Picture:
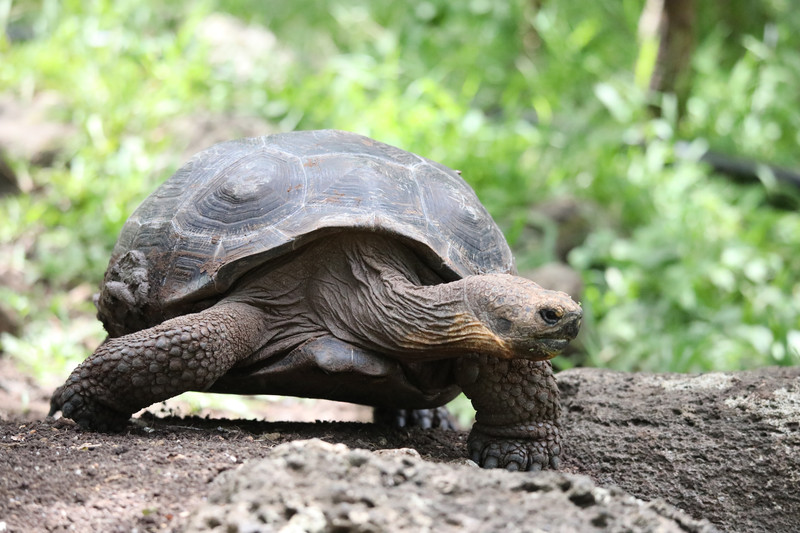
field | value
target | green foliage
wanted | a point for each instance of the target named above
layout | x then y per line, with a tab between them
685	271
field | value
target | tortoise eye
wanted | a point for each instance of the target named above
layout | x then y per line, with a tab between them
551	316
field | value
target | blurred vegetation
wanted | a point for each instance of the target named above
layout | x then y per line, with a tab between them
685	270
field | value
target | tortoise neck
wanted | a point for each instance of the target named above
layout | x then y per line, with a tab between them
435	320
375	293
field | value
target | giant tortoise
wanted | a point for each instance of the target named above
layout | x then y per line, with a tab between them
325	264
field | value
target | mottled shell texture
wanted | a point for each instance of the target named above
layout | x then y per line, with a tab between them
242	203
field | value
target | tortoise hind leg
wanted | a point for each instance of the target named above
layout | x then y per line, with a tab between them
437	417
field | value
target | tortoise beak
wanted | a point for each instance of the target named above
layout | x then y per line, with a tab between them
568	327
572	324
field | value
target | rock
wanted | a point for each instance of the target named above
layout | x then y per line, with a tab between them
313	486
398	452
723	446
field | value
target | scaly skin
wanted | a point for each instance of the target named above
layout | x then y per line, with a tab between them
438	417
128	373
517	411
360	290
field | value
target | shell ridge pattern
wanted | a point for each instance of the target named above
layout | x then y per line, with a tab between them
224	175
276	234
430	222
216	222
381	159
244	202
297	243
420	161
462	198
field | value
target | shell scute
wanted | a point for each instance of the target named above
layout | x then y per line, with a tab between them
242	203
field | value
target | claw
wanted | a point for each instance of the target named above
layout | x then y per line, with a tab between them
55	404
525	451
422	418
87	412
476	456
425	422
490	462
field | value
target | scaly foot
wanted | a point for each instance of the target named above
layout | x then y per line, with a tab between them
438	417
538	449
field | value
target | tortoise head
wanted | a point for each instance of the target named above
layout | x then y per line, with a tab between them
525	320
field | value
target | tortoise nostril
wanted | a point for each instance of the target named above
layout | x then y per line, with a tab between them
573	328
551	316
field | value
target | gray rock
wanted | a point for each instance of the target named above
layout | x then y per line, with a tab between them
313	486
723	446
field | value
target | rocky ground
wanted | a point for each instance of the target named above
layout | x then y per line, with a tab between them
722	446
645	453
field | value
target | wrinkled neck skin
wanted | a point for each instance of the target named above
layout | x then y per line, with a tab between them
383	298
438	319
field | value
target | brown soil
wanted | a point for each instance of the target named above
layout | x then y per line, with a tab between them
56	477
723	447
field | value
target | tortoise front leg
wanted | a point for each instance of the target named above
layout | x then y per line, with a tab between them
131	372
517	411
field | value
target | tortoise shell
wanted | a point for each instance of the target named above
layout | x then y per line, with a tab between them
242	203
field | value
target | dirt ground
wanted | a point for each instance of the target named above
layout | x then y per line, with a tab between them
163	472
56	477
722	447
